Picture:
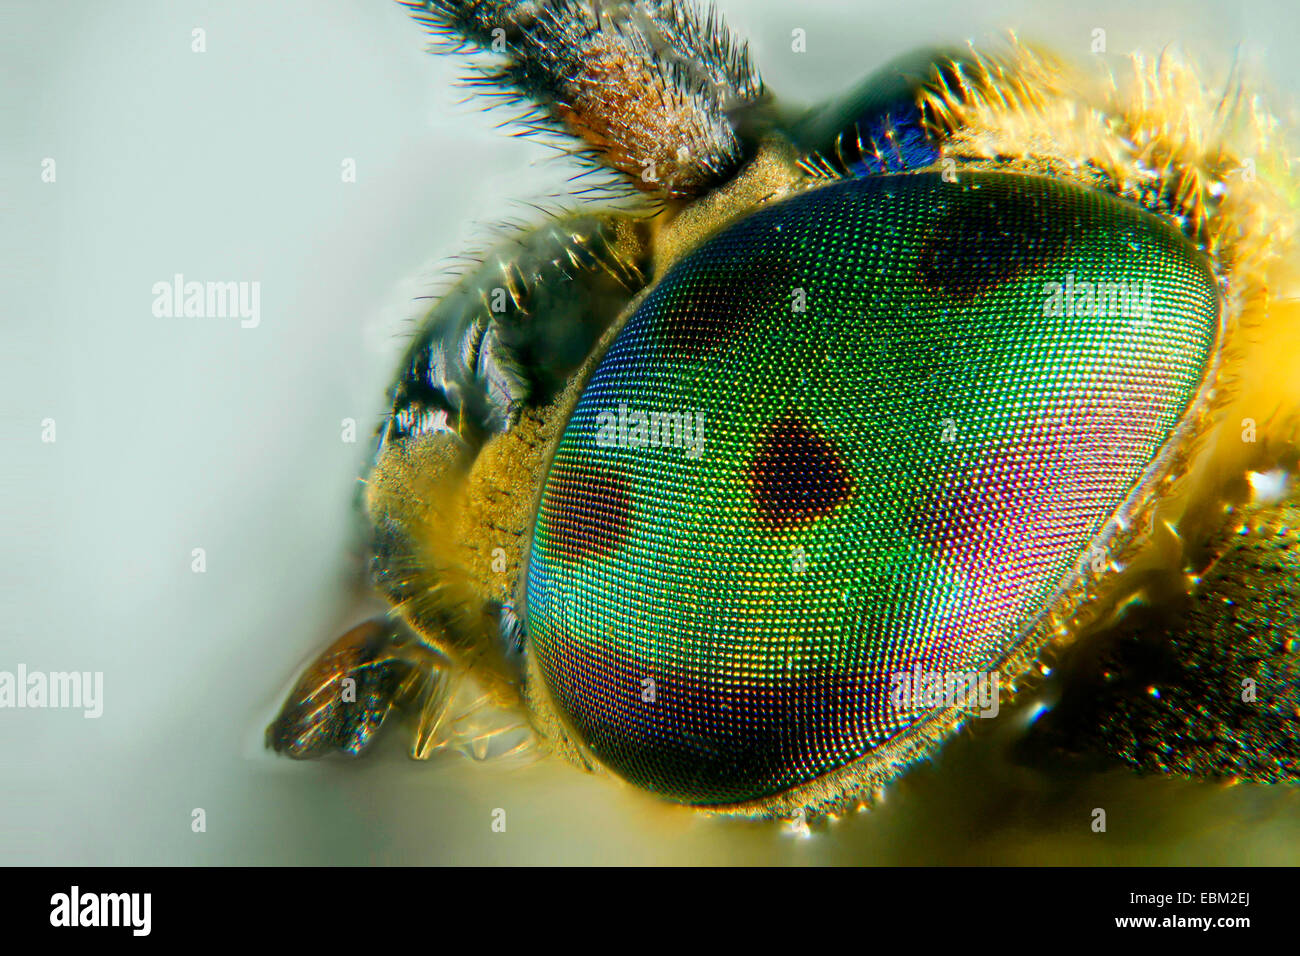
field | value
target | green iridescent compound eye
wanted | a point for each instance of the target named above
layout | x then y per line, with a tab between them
869	429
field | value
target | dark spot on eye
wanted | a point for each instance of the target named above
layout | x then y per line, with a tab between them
588	510
959	511
976	247
715	305
980	504
796	475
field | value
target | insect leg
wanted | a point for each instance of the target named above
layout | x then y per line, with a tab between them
342	700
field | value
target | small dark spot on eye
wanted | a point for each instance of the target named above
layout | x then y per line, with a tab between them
796	475
713	307
960	510
977	246
588	510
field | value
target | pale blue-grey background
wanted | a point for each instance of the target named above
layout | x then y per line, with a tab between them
183	433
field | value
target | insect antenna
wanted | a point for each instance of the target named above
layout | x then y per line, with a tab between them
655	90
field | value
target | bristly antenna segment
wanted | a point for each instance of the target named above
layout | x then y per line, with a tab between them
649	88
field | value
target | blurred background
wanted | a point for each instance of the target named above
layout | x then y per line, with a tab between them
180	433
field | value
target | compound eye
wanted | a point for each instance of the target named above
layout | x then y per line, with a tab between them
867	432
